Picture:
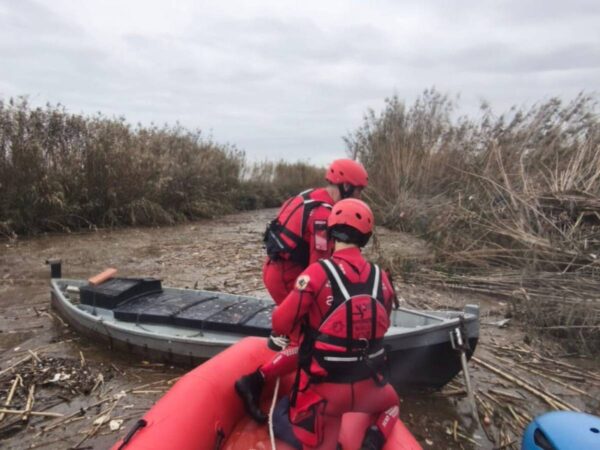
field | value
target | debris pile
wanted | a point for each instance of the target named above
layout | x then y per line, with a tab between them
42	393
521	383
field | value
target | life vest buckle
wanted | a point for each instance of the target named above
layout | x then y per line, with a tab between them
364	347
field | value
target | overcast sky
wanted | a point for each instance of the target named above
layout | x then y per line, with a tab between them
283	79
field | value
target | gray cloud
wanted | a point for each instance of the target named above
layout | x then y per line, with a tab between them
289	84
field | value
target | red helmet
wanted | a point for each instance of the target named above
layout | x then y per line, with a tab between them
347	171
354	213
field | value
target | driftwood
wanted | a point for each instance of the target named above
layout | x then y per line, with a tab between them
18	363
79	412
96	427
34	356
82	411
29	404
565	370
451	393
55	317
30	413
11	394
546	376
555	380
549	398
148	391
507	395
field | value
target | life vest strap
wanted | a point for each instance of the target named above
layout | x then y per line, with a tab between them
380	352
349	345
350	369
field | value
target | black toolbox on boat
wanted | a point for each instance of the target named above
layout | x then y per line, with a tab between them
115	291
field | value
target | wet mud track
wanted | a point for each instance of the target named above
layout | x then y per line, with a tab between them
85	396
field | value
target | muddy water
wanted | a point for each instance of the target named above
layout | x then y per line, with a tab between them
72	374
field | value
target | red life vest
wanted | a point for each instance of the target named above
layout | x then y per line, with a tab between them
284	236
348	344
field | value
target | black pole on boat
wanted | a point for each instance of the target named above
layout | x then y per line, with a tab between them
55	267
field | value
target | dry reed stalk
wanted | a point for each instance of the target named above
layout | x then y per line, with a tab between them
546	396
500	195
104	400
96	427
48	157
11	393
12	367
546	376
29	403
27	412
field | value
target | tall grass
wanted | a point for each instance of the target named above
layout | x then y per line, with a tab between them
63	171
510	203
269	184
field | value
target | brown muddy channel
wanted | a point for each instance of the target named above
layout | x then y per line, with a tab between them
80	379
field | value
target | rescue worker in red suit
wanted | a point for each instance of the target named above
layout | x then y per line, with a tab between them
343	305
298	235
296	238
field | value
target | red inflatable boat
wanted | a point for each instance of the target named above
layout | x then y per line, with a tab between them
203	412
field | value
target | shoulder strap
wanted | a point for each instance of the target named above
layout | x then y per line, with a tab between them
334	276
376	292
374	283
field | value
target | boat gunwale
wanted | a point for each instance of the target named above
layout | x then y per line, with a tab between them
117	325
470	321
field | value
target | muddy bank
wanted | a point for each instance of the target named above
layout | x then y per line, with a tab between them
100	394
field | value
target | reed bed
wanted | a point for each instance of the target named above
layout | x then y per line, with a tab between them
268	184
61	172
510	203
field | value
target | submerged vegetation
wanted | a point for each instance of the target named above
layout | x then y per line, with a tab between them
510	204
61	172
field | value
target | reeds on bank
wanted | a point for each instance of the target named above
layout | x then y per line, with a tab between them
510	203
61	171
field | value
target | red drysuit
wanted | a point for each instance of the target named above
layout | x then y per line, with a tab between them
279	274
320	404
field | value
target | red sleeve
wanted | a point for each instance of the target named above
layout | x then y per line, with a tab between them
290	313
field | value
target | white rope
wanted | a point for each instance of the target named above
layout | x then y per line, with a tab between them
280	341
273	402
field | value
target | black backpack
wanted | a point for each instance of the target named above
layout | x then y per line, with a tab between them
283	241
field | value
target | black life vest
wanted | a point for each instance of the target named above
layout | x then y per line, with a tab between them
348	343
284	236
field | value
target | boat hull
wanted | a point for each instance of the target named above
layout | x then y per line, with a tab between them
420	356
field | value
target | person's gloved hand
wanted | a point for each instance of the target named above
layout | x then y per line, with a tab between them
278	343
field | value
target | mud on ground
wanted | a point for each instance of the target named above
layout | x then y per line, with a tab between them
80	394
